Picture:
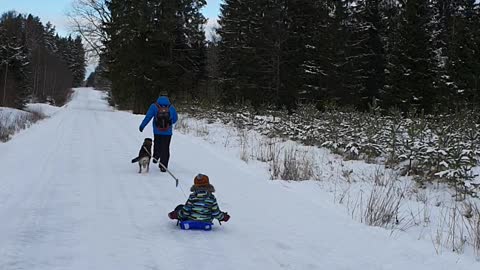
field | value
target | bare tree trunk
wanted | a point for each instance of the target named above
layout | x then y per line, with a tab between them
44	78
54	84
5	85
34	81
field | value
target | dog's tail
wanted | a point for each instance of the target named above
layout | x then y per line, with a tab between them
135	159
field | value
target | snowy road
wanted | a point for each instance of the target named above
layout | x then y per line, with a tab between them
71	199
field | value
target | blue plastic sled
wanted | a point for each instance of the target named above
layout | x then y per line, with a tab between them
196	225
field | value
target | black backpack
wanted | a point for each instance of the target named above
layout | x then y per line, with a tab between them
162	119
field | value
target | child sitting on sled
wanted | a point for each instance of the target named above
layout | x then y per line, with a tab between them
201	205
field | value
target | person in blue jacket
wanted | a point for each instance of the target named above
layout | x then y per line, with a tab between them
165	116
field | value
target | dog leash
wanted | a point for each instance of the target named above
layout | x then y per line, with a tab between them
148	152
169	172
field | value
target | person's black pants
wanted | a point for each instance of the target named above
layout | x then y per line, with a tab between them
161	148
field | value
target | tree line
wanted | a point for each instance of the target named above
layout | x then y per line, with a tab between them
421	53
147	47
409	54
36	64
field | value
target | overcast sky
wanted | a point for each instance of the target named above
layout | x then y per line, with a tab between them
55	11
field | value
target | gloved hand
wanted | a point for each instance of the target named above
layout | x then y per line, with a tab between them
173	215
140	128
226	217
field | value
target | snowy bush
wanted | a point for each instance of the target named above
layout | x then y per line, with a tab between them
297	165
383	205
13	120
442	148
182	125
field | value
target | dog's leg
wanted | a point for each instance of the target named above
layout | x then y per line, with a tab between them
148	166
139	167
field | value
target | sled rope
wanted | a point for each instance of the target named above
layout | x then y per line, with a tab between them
184	194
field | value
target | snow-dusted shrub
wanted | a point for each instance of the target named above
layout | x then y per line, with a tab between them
429	148
383	204
244	145
268	150
297	165
201	130
12	121
393	135
458	227
472	216
451	232
182	125
291	163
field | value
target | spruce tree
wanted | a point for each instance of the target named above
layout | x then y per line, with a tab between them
14	69
78	67
190	45
154	46
236	50
463	64
338	34
365	54
411	76
34	61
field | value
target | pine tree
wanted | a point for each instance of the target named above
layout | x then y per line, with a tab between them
411	76
34	61
154	46
127	33
78	66
338	34
90	80
444	16
261	51
313	25
236	50
463	64
190	44
365	54
101	76
13	61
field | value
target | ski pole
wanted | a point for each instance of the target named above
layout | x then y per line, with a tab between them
171	174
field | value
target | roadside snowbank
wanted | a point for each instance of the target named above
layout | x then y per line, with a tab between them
13	120
43	109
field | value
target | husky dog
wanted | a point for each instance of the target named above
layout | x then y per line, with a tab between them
144	156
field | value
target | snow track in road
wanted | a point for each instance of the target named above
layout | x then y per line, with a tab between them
70	199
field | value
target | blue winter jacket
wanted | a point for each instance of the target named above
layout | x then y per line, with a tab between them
152	112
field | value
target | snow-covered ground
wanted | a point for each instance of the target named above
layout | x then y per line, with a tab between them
71	199
41	108
395	202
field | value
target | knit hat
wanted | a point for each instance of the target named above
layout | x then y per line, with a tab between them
201	180
202	183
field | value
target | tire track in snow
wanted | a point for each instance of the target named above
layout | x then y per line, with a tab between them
205	244
156	181
34	209
126	190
